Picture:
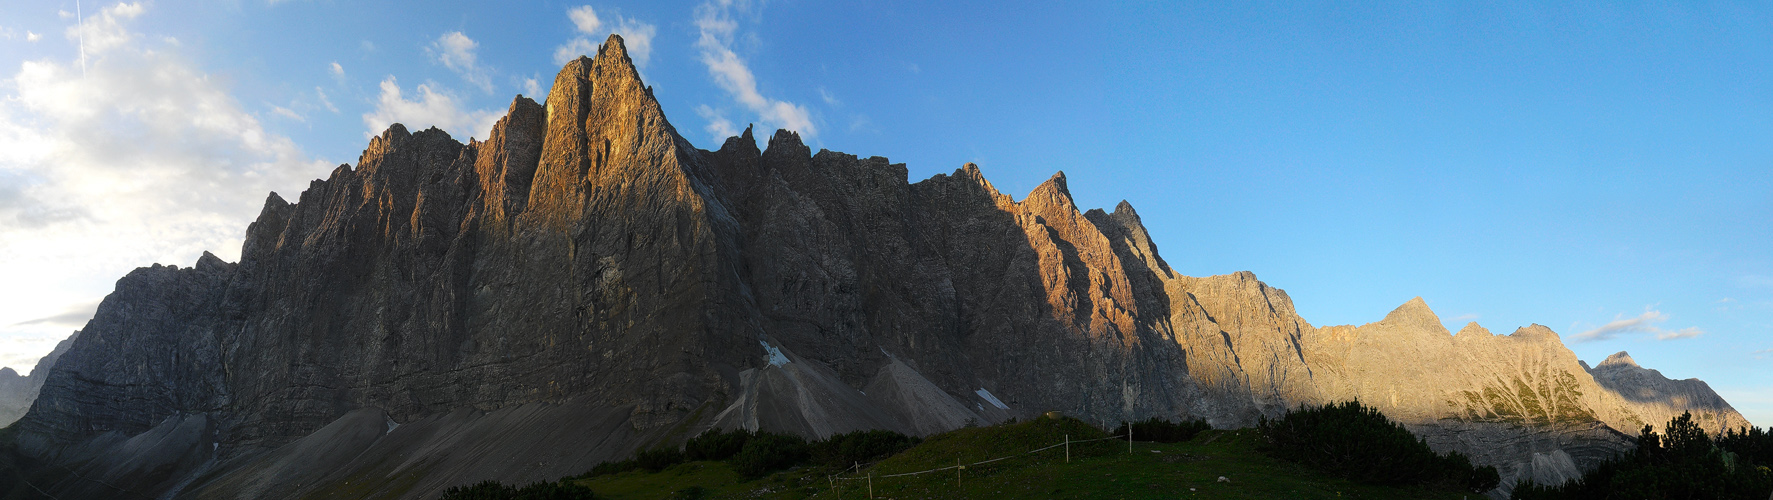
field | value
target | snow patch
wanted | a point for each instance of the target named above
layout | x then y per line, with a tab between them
991	399
775	355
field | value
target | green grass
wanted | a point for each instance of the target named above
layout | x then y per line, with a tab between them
1097	470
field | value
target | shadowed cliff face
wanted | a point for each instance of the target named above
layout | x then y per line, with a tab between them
585	282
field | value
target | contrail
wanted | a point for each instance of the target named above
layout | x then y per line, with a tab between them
82	30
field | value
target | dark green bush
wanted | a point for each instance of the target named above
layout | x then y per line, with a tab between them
716	444
653	460
845	449
493	490
1358	443
1163	431
658	459
608	468
768	452
1682	462
484	490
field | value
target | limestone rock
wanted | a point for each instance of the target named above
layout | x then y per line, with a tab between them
1655	399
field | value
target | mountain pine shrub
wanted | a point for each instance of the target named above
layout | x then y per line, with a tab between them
1356	442
493	490
1681	462
1163	431
768	452
845	449
716	444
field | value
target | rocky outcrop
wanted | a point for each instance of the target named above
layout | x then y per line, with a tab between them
585	282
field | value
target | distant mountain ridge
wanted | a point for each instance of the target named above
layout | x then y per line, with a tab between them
585	282
18	391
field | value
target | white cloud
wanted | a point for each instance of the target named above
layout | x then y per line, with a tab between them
32	37
637	36
337	70
1645	323
830	100
287	113
147	159
716	29
104	31
456	51
718	126
1688	332
533	89
431	107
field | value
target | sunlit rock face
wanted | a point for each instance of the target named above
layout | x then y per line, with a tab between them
585	282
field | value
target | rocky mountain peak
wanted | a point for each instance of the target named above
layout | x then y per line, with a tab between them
1051	198
742	143
1416	313
786	142
1124	209
1618	359
1535	332
1473	330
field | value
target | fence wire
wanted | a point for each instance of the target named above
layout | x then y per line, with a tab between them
981	462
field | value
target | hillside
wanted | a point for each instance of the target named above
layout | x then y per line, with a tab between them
1097	469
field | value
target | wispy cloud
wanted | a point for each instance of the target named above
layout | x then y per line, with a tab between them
718	126
287	113
431	106
1465	317
532	87
637	36
1644	323
1762	354
324	102
716	30
74	316
32	37
456	52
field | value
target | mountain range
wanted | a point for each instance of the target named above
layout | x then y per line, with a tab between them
585	282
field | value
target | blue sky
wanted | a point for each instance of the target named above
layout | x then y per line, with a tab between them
1601	169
